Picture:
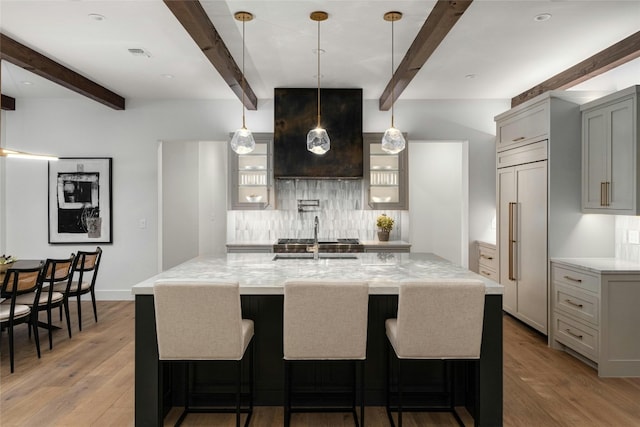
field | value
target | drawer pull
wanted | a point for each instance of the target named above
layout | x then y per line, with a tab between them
486	257
568	301
486	273
573	279
572	334
520	138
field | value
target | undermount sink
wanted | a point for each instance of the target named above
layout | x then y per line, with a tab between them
310	256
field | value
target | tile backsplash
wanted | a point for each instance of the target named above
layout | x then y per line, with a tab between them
340	213
628	238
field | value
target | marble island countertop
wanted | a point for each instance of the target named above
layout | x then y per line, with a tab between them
260	274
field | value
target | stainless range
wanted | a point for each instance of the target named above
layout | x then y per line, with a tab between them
324	245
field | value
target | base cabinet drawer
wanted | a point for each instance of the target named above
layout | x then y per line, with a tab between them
577	336
575	277
577	303
489	273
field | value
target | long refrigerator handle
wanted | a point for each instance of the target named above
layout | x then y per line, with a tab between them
512	240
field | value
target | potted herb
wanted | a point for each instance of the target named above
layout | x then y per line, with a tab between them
385	225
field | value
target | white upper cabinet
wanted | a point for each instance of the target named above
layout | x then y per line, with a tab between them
521	127
610	154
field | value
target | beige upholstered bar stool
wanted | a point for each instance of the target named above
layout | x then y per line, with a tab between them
436	320
202	320
325	320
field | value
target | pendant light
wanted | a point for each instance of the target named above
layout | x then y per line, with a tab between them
318	139
393	141
242	141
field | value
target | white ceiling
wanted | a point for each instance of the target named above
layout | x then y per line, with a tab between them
498	42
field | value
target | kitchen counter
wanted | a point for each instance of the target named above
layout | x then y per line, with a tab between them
260	274
601	265
261	278
267	245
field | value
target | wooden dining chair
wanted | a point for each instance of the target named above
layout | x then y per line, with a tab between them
19	282
55	271
84	273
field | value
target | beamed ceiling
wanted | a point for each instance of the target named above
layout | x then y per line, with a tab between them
482	49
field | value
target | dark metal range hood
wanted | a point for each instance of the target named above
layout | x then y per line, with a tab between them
295	113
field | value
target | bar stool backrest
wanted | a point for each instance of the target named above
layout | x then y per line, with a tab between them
440	319
199	320
325	320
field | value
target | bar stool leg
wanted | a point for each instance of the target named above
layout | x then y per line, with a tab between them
362	399
238	385
398	366
287	393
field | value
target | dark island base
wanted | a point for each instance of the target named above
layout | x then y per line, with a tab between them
158	387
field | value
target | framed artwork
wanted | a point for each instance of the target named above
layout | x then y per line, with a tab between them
80	209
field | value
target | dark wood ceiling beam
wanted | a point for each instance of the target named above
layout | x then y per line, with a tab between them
27	58
8	103
195	20
440	21
603	61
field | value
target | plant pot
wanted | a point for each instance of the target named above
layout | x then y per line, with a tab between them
5	267
383	236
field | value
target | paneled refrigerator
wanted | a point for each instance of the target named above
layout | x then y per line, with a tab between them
538	206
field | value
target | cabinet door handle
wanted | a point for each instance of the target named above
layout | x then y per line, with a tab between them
602	191
520	138
568	301
573	335
573	279
607	187
512	240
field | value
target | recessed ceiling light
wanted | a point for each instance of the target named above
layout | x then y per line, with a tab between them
542	17
96	17
26	82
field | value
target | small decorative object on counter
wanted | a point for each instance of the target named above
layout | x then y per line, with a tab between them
5	262
385	225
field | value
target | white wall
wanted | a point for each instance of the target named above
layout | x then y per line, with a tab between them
76	127
438	195
180	192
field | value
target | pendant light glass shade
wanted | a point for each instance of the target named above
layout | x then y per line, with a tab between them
318	141
242	141
392	141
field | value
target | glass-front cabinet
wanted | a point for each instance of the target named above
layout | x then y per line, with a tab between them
251	175
385	175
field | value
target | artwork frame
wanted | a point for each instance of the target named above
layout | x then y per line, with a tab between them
80	205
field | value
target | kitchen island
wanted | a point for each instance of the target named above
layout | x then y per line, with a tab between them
261	278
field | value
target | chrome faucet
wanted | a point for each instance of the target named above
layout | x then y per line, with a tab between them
315	248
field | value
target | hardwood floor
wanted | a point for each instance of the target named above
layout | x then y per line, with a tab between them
88	381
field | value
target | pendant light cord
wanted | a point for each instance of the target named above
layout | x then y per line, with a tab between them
392	76
318	52
243	120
